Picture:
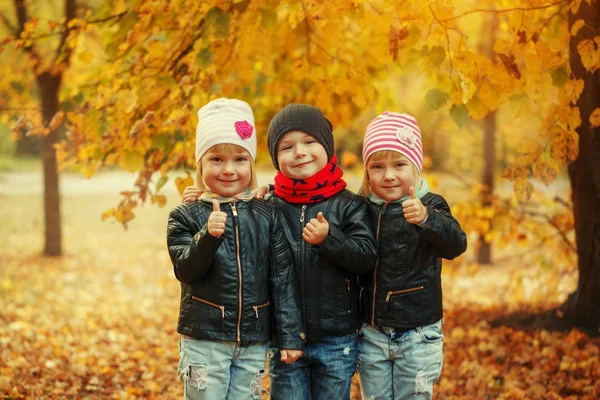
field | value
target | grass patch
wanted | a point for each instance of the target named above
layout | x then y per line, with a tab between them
10	163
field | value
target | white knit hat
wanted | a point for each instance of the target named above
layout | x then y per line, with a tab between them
225	121
397	132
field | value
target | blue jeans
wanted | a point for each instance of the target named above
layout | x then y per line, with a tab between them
324	372
214	370
399	365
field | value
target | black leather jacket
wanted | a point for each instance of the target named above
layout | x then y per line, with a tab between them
231	285
327	273
405	288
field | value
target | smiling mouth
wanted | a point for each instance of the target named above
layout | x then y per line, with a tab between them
304	164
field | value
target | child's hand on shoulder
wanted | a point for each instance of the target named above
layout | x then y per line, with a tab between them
191	194
290	356
216	221
316	231
414	210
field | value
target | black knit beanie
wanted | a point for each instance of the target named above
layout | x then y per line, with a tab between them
301	117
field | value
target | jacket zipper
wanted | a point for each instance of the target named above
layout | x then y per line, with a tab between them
376	263
390	293
239	263
222	308
348	294
256	308
302	244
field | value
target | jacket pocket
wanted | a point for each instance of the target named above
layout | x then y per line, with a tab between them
402	303
262	316
215	317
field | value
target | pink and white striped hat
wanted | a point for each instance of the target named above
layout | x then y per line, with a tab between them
396	132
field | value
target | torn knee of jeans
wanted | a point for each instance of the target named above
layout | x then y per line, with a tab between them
420	382
347	351
256	384
196	375
370	397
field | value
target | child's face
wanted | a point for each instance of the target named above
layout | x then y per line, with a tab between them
300	155
390	177
226	173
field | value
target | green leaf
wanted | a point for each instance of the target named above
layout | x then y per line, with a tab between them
435	98
268	18
219	21
161	182
560	76
205	58
437	55
160	142
460	114
167	81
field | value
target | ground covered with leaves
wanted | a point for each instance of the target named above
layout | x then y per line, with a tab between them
99	322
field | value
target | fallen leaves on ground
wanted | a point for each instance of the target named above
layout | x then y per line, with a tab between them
99	323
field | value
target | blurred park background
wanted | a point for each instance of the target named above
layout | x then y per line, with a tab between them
98	103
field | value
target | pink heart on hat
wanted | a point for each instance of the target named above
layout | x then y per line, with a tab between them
244	129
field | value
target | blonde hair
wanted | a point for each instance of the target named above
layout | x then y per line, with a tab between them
383	155
225	148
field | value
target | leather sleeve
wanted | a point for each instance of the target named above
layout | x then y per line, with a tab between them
351	246
442	230
192	252
288	314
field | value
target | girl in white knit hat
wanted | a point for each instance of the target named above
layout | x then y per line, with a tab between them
400	343
231	256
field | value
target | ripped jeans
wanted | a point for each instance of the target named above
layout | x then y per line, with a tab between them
215	370
399	365
324	372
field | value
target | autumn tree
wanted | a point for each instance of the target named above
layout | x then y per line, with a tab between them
46	68
584	172
134	85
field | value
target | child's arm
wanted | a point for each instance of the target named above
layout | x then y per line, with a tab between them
442	230
352	246
192	253
287	310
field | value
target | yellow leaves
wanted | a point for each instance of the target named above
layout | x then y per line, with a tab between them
595	118
564	145
56	120
159	199
545	171
348	159
514	172
131	160
529	151
589	50
523	190
577	26
156	49
123	213
86	57
182	183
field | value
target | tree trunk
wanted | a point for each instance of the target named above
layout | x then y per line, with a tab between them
484	256
49	86
581	308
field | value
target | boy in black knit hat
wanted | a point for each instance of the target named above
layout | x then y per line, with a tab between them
330	234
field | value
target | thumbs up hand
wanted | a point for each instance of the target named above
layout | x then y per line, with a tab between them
414	210
316	230
216	220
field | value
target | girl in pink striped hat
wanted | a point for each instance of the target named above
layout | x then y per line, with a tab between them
400	342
